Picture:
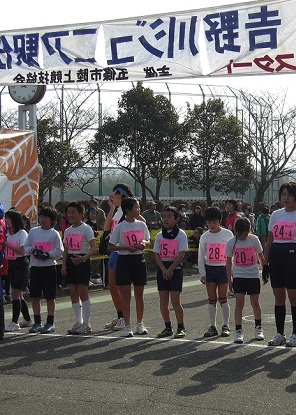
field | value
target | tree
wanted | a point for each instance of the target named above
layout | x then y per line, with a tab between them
216	154
142	140
58	159
270	131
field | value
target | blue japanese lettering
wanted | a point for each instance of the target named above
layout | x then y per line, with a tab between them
264	28
223	30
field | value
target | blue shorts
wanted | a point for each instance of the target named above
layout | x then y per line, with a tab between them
217	274
175	284
112	260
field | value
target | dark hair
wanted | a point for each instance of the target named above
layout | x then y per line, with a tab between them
93	201
123	189
233	202
127	203
265	210
16	219
49	212
213	213
173	209
77	206
291	188
199	230
198	207
27	226
182	205
88	212
242	225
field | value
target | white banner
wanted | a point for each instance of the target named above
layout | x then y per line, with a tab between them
247	38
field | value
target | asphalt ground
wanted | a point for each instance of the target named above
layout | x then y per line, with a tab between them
106	374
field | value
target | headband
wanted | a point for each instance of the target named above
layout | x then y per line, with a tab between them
122	191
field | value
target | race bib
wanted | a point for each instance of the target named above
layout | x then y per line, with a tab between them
133	237
114	224
9	253
283	231
245	257
168	249
43	246
73	241
216	253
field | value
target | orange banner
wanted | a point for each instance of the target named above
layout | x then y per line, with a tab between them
19	171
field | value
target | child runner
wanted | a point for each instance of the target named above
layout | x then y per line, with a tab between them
79	246
280	253
129	239
169	250
18	269
45	246
120	192
212	269
242	252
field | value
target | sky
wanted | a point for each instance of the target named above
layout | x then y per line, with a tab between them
19	14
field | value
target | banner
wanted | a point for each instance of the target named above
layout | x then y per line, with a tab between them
251	38
19	171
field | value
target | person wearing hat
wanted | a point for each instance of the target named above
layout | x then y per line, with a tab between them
152	216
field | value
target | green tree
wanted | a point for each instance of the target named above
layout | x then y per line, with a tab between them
58	159
216	155
142	140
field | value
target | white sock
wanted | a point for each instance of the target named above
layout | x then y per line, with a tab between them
86	311
212	314
225	310
77	312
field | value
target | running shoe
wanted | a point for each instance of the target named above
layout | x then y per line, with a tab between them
180	333
278	340
83	329
166	332
239	337
259	333
112	323
292	341
120	325
12	327
35	328
211	332
25	323
225	331
127	332
141	329
73	329
47	328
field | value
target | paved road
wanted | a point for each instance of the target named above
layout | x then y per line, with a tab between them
106	374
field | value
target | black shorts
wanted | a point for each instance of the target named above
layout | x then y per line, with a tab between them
131	269
18	272
77	274
282	265
43	280
216	274
175	284
247	286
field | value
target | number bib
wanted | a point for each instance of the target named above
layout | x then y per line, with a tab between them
133	237
73	241
244	257
43	246
216	253
283	231
114	224
9	253
168	249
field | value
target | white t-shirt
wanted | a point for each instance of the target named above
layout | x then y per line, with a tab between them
168	249
211	249
47	240
282	224
18	240
129	233
244	256
77	239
